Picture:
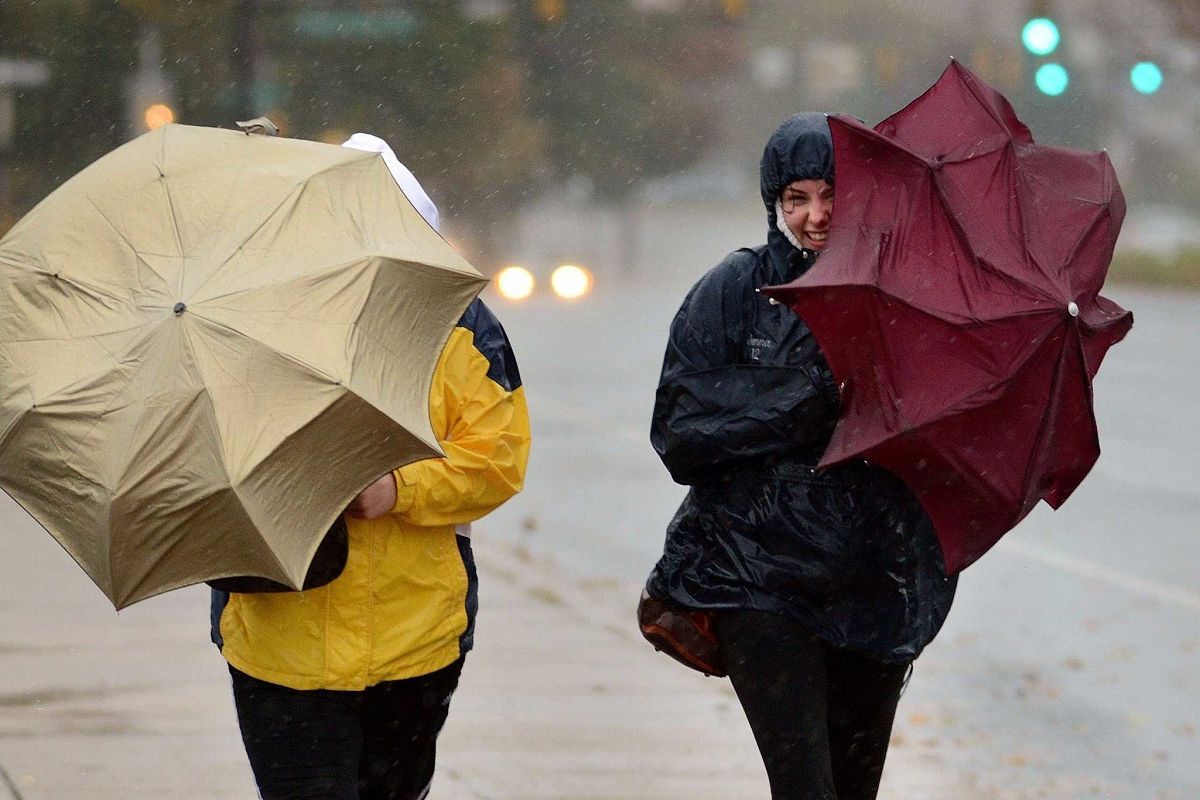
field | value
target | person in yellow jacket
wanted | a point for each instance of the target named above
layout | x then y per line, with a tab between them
342	690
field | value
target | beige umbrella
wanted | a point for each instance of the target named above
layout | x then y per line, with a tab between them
209	344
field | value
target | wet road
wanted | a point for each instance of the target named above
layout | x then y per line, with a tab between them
1070	665
1069	668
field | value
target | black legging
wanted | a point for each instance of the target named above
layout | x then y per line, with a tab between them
821	716
377	744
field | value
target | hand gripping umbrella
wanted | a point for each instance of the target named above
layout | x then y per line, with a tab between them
209	343
958	305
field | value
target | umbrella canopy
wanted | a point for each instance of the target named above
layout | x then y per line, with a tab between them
209	344
958	304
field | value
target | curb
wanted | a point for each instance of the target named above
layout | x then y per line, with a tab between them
8	789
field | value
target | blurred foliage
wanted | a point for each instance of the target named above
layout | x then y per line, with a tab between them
1186	14
198	55
90	50
449	99
1180	268
485	109
615	91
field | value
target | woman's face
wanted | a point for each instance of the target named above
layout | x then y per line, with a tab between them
807	207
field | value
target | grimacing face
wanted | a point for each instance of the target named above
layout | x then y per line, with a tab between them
807	209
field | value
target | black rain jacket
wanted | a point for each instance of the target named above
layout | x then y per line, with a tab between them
745	406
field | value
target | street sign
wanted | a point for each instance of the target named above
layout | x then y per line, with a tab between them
391	24
20	72
16	73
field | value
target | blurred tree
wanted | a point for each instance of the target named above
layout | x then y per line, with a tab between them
612	91
1187	17
616	92
446	91
80	114
205	52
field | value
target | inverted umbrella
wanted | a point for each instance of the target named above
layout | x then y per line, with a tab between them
209	343
958	305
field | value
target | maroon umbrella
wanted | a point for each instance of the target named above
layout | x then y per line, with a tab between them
958	304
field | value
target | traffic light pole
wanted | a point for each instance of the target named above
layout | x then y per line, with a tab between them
245	57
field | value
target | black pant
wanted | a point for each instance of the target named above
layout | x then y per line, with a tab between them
335	745
822	717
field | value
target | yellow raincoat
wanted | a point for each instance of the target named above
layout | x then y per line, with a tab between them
404	605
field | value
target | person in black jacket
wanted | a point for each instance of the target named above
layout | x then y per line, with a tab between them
823	585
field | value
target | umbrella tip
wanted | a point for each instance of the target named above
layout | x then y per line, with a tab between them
259	125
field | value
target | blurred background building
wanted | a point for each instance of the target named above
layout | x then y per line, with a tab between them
620	133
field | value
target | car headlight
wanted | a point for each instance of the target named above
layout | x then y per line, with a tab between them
571	282
514	283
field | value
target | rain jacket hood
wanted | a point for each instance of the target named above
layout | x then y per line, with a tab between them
800	149
744	409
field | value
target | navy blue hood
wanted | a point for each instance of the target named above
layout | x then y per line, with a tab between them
800	149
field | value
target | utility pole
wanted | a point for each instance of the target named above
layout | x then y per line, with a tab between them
245	57
15	73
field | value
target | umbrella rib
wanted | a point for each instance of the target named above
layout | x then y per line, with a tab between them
1057	389
387	345
960	402
293	196
976	154
879	138
202	396
15	421
965	241
89	335
22	266
991	111
112	402
1084	234
113	227
45	270
95	291
162	176
136	253
175	544
200	235
248	387
907	303
333	268
963	404
265	346
1091	226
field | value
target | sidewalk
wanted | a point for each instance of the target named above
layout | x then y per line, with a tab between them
563	699
560	699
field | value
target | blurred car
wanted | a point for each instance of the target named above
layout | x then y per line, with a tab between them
568	282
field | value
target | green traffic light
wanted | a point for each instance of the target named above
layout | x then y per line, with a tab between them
1146	77
1052	79
1040	36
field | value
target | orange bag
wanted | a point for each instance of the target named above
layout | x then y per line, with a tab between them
685	634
